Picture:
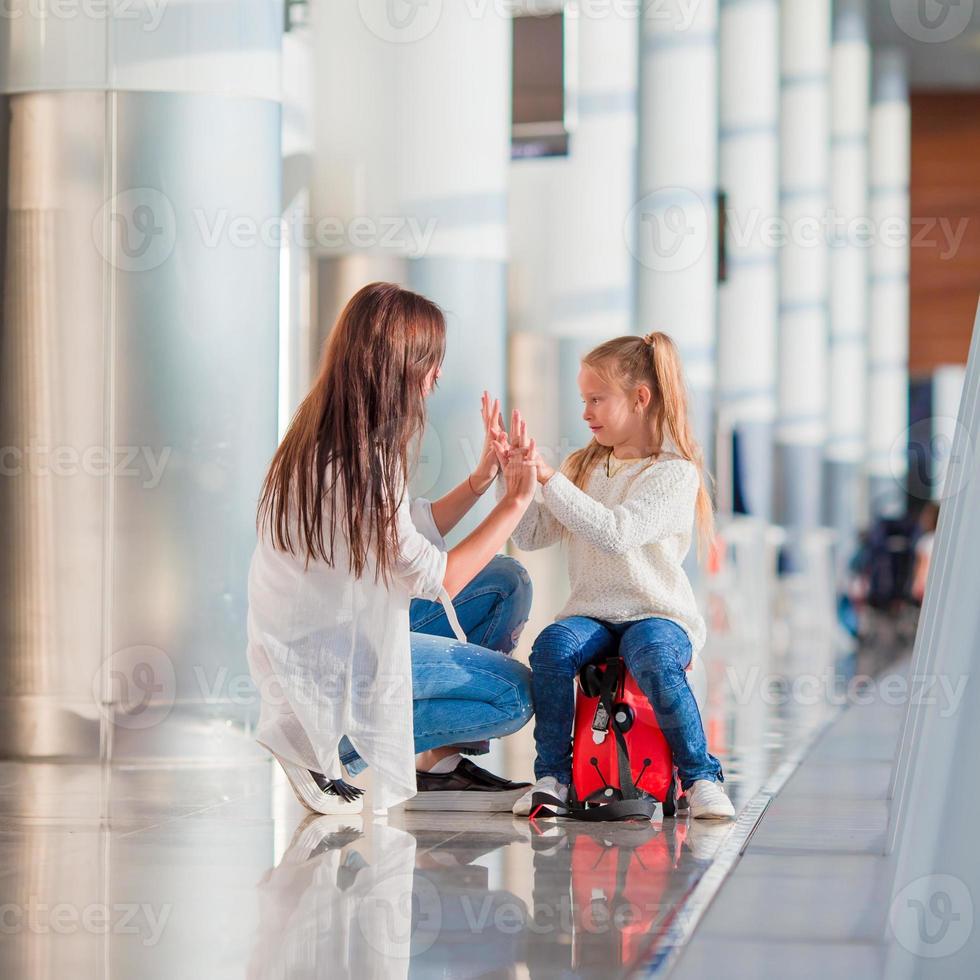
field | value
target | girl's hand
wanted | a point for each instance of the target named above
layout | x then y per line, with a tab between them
495	446
520	469
521	443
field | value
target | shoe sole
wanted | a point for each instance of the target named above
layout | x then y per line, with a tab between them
713	816
310	795
466	800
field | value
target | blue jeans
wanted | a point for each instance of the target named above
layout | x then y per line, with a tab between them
467	693
655	651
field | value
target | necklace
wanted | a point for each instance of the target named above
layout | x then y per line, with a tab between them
611	471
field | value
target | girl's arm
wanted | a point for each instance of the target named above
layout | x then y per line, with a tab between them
537	528
660	503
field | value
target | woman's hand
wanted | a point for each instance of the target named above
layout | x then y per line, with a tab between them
495	445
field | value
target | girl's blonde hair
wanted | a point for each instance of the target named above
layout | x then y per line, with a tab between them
651	360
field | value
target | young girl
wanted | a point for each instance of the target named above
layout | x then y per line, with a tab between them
626	506
349	670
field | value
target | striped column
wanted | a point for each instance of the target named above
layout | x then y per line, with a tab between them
748	299
804	199
676	215
849	240
572	279
412	150
888	386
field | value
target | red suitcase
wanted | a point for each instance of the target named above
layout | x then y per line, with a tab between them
620	758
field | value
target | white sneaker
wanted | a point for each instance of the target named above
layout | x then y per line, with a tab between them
547	784
707	799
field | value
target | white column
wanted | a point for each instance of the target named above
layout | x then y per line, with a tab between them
140	310
572	275
888	381
849	240
676	215
805	158
412	150
748	300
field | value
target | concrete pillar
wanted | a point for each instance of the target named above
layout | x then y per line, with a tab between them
803	321
139	201
748	300
888	341
675	219
412	148
849	234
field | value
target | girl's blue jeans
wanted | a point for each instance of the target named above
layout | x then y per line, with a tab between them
655	651
466	693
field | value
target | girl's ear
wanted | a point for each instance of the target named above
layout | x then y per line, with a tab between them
643	397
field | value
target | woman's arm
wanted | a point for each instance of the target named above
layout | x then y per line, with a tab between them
425	569
660	503
472	554
449	510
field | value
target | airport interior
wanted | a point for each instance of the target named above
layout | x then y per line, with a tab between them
789	190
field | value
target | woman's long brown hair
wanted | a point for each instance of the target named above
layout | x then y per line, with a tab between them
653	360
359	421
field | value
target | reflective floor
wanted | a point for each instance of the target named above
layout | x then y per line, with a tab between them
218	872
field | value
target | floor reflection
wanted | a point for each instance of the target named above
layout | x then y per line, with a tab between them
436	897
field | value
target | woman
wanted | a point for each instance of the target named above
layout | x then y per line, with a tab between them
341	552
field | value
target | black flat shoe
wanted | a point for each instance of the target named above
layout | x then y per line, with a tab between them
466	788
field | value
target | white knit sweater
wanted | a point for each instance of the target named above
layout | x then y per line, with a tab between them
629	534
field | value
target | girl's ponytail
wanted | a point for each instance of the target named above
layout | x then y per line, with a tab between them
669	376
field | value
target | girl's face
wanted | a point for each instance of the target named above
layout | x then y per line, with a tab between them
611	413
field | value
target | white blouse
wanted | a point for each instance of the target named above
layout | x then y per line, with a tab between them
331	655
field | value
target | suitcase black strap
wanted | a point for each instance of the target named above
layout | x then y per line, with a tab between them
545	805
632	806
